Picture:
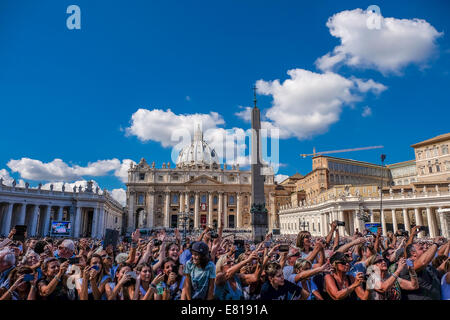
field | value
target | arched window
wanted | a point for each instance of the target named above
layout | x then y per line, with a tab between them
203	198
231	199
215	200
175	199
191	200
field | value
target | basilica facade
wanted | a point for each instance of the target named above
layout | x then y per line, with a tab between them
213	193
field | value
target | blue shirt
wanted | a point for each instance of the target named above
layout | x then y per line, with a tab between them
185	256
311	285
4	282
200	278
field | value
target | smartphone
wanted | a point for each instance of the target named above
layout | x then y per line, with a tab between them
340	223
95	268
284	248
28	278
20	232
422	228
75	260
409	263
132	274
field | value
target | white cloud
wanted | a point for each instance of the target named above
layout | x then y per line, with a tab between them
245	114
120	195
58	170
122	171
390	48
8	180
366	112
281	177
159	125
188	98
307	103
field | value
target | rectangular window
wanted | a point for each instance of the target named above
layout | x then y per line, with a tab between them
445	149
141	199
175	178
141	176
160	178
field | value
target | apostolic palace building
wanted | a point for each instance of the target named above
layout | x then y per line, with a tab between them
216	194
415	192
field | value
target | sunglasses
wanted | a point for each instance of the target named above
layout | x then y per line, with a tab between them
342	262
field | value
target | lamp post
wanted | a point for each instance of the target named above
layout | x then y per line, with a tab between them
383	157
184	221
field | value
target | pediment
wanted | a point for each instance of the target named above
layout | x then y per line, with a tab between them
204	181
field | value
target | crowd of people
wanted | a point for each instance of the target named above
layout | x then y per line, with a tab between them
214	266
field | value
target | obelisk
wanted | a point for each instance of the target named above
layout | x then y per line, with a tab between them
258	210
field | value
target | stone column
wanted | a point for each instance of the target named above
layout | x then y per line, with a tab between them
94	223
181	200
7	220
34	221
406	220
22	214
271	212
60	214
166	210
323	222
430	223
77	223
186	201
47	217
383	223
372	217
341	218
220	210
394	220
197	211
130	222
101	222
356	221
419	222
444	227
238	210
210	209
225	211
150	208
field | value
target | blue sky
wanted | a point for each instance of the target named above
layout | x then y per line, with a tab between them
71	94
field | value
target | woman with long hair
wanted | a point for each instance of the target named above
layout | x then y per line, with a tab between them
200	274
95	277
122	288
145	287
21	288
172	280
339	285
229	281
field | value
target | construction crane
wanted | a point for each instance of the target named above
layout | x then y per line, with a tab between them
338	151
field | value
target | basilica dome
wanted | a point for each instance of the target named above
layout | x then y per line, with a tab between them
197	153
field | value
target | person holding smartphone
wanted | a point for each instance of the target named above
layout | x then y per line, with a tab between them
23	286
95	277
146	282
383	285
53	284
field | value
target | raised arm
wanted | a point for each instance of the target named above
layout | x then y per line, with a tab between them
347	246
330	234
303	275
426	257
